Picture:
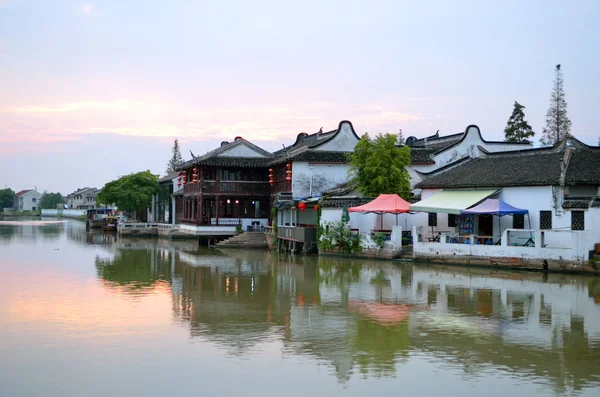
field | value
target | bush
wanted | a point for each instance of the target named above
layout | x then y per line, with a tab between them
337	235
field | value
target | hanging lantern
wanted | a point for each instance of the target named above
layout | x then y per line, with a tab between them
316	207
288	172
302	206
184	172
288	178
179	184
293	207
179	179
195	170
288	166
179	173
271	177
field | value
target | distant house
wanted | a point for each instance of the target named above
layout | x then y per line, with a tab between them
27	200
82	199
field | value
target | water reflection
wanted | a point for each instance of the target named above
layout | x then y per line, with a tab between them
359	320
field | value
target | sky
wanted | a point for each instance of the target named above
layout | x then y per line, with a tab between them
90	91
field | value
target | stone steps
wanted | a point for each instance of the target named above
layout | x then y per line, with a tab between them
245	240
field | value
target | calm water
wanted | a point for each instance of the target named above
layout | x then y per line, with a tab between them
89	315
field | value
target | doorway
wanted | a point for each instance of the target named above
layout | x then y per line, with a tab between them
486	225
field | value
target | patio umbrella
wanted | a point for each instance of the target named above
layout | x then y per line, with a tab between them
384	204
345	214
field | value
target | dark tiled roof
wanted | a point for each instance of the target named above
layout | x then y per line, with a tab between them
584	167
168	178
499	171
531	167
421	155
338	202
314	156
341	190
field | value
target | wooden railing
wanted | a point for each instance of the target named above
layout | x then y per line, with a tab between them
227	187
213	222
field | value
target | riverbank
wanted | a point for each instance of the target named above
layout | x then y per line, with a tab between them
20	214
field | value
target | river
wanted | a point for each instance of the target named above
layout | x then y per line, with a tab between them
87	314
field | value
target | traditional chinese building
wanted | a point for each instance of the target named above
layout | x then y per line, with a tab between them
237	183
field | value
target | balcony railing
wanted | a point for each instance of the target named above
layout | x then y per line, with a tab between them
212	222
227	187
301	234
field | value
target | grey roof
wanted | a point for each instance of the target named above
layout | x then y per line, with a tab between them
213	157
168	177
304	149
530	167
338	202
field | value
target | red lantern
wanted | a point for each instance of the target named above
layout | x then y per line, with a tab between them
179	179
178	184
195	170
288	178
316	207
302	206
271	177
179	173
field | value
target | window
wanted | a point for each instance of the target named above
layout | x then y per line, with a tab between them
545	219
518	221
432	219
33	200
452	220
577	220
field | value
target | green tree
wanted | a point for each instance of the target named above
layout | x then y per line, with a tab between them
130	192
558	125
517	128
175	158
378	166
7	197
51	200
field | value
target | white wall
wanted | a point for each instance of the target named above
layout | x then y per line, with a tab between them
25	201
344	141
324	177
572	252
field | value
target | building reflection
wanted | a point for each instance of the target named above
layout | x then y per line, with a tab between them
373	318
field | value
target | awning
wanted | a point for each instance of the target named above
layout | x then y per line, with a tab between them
495	207
452	201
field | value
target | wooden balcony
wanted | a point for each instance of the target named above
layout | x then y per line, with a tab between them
234	188
300	234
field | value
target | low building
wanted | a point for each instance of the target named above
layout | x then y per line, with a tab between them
82	199
558	185
27	200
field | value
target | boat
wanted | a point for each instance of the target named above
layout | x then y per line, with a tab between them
110	223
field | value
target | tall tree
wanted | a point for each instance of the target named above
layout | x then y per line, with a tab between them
51	200
175	158
7	197
558	125
130	192
378	166
401	139
517	129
